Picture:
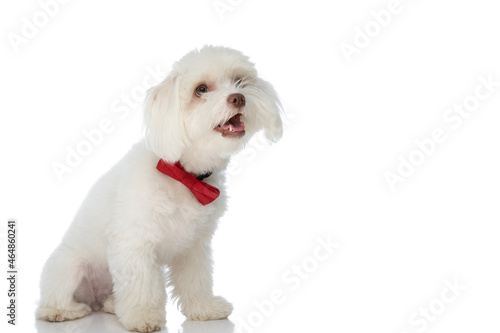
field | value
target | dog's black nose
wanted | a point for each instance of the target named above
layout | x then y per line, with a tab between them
237	100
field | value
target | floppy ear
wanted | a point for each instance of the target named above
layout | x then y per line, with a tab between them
165	131
270	111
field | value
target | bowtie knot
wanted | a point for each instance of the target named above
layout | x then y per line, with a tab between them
202	191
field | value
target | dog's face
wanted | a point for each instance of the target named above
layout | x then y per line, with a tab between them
210	105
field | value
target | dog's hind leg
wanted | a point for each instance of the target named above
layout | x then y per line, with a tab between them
109	304
61	276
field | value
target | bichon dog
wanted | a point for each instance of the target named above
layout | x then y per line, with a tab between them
160	205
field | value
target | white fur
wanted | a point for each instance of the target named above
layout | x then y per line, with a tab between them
136	221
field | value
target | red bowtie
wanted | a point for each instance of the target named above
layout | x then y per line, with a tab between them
204	192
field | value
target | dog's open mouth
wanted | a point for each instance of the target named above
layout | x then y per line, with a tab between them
234	127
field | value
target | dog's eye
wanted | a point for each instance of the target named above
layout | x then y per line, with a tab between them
238	82
201	90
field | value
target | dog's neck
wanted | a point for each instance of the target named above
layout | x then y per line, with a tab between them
202	164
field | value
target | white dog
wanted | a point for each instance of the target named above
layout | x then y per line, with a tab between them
139	217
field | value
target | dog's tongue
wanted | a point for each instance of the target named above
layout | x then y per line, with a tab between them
234	123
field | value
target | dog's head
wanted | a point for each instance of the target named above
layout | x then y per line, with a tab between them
208	107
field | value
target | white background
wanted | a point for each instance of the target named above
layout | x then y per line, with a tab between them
347	124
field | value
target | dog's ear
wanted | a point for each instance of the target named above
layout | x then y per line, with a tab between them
270	111
165	130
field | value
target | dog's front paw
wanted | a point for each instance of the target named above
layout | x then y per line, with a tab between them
76	311
210	309
147	320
